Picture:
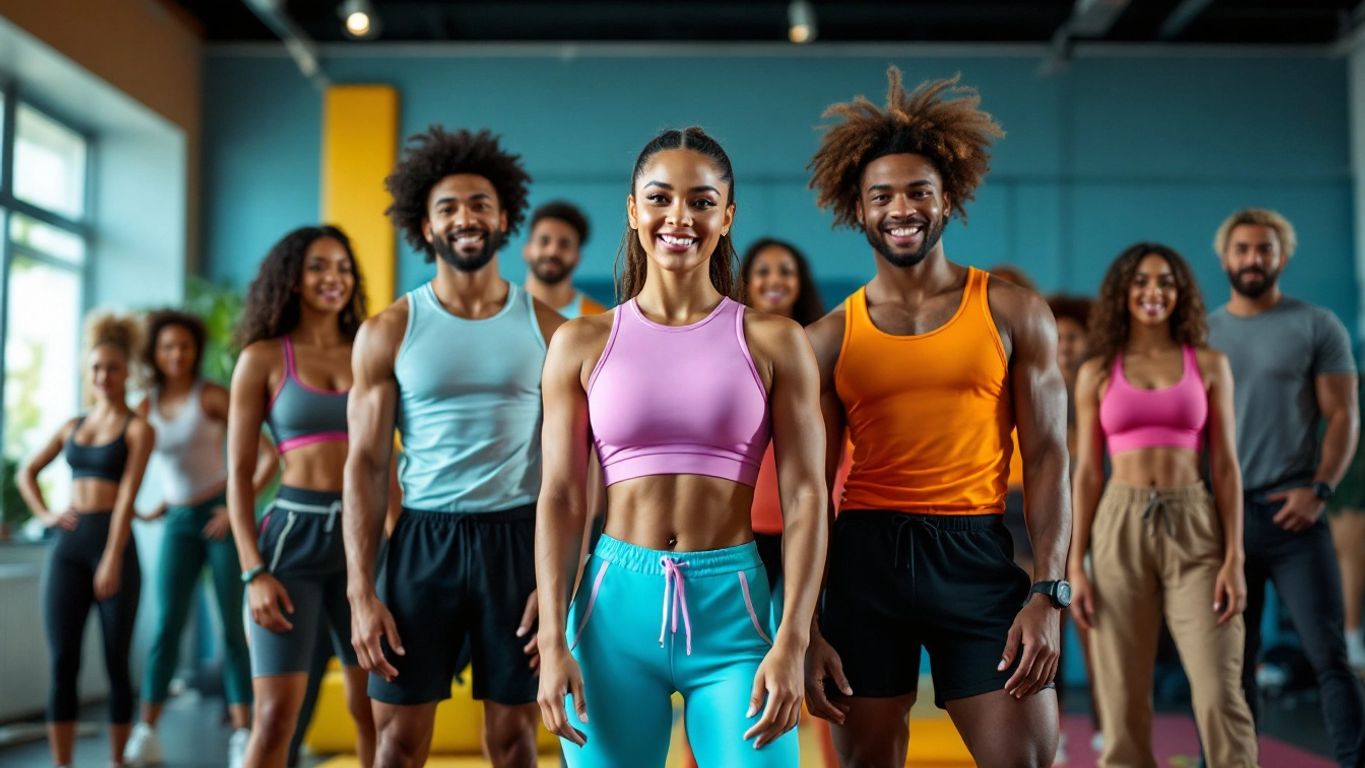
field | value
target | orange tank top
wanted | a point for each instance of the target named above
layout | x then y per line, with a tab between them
929	415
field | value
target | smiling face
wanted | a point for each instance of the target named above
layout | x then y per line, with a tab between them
328	276
679	209
774	281
1152	294
107	366
465	225
902	207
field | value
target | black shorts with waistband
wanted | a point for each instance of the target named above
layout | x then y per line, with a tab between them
457	583
900	582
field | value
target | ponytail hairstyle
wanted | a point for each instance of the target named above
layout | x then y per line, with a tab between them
632	261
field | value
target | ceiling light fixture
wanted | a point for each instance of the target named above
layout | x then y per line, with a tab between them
359	18
801	21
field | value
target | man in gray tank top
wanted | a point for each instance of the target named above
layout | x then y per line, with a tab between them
455	366
1292	365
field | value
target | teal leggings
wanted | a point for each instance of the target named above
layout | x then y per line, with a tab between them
178	567
646	623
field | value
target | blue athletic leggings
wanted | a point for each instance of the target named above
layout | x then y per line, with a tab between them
646	623
179	570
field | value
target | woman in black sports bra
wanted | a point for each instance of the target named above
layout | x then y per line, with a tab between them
94	562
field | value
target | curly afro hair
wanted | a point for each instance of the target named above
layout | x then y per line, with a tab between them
952	132
438	153
272	306
1110	321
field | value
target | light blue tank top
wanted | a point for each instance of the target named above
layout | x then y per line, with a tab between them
469	407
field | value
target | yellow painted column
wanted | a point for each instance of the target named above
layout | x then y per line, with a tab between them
359	146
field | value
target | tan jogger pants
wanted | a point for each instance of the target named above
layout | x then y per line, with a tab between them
1154	553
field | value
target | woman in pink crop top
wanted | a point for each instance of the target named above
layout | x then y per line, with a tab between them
1156	399
677	389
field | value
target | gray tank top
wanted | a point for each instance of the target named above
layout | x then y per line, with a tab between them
301	415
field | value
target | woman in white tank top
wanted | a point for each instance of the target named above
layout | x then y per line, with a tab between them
190	417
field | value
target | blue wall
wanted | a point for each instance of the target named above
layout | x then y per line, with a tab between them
1115	149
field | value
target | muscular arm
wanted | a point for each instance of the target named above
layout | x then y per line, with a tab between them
826	337
370	413
1087	485
1225	472
249	398
561	516
1336	393
561	510
1039	395
823	664
803	474
1230	586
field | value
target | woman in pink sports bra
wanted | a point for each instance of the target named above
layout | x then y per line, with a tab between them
1158	400
677	390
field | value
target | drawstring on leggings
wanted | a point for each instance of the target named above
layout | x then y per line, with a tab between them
673	575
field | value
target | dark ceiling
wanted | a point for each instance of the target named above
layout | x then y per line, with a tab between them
1260	22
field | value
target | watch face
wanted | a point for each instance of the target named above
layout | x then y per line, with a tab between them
1063	594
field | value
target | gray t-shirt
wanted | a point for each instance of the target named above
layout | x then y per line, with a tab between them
1275	358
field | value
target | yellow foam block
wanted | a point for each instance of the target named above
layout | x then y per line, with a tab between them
936	742
458	729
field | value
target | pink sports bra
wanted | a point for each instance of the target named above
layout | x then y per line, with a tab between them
1172	417
678	400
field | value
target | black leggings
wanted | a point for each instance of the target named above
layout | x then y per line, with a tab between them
68	593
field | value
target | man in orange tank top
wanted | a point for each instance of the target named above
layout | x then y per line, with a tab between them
930	366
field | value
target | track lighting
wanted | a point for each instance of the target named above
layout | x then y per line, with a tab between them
801	21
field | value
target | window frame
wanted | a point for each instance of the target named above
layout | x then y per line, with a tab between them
10	204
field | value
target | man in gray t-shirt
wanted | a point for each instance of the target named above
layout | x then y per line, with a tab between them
1292	368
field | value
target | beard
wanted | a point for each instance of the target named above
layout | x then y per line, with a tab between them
473	262
933	232
1250	288
551	270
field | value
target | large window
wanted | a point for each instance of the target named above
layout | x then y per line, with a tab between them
44	241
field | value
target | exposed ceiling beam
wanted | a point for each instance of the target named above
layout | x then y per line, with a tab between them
301	47
1090	19
1094	18
1180	17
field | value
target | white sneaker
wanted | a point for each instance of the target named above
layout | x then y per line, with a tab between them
1097	742
142	748
237	747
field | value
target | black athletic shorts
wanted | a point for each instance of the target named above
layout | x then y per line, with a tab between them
455	580
770	552
898	582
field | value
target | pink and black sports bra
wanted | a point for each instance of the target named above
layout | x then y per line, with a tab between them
300	414
675	400
1170	417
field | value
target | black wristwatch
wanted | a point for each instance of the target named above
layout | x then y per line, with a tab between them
1323	491
1059	592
